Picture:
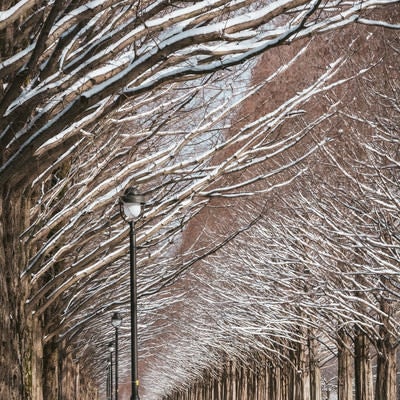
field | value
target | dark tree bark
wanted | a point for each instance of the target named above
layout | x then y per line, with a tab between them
386	346
362	367
15	326
345	366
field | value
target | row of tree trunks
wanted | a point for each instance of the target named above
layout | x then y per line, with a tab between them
63	379
261	379
355	365
16	369
29	370
299	377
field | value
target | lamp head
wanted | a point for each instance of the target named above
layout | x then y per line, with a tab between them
132	202
111	347
116	320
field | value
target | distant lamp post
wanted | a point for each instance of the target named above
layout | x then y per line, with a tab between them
108	379
130	208
116	321
111	349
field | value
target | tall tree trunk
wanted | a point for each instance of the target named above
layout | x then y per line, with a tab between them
267	378
284	382
386	388
345	366
232	380
37	360
222	383
292	380
67	378
315	372
362	367
261	380
303	375
77	381
16	368
51	366
243	383
276	383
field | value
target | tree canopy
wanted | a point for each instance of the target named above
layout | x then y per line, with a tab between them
99	95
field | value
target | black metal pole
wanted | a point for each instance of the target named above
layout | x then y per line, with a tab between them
116	363
108	381
133	287
111	375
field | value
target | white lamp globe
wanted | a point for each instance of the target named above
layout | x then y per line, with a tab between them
132	210
116	320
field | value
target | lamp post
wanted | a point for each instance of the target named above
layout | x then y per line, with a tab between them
108	379
131	204
111	349
116	321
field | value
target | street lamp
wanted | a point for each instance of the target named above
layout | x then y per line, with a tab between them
116	321
130	208
111	349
